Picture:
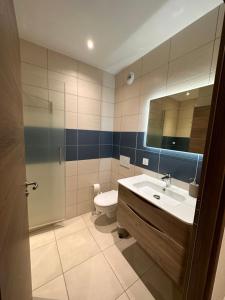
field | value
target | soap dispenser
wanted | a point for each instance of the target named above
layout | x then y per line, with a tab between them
193	188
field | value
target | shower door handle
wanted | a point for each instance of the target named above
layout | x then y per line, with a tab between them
33	184
60	155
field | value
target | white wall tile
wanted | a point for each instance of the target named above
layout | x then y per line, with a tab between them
108	80
194	36
107	123
71	103
34	75
71	120
108	94
89	106
107	109
89	73
62	64
33	54
156	58
89	122
89	90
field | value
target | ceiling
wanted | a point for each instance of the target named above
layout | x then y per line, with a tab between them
122	30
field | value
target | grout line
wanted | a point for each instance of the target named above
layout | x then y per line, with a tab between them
61	267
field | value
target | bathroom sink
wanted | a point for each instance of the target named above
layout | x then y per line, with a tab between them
172	199
160	193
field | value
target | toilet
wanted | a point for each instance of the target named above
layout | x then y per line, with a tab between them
107	203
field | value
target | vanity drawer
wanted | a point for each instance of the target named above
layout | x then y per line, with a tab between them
175	228
168	254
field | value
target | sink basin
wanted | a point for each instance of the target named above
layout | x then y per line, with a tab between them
162	194
172	199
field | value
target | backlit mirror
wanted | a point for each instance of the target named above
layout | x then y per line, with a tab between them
179	122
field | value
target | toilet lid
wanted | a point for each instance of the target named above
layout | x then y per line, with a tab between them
107	198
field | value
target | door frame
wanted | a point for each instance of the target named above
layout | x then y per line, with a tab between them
209	221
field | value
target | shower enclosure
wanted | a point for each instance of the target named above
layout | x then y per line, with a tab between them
44	147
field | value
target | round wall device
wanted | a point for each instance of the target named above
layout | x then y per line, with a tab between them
130	78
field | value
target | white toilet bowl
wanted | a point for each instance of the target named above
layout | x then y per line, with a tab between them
107	203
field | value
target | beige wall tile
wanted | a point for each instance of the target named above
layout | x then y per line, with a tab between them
62	83
120	79
106	123
71	103
71	211
88	166
126	172
57	99
87	121
131	106
132	90
84	207
71	120
107	109
153	84
71	197
71	183
105	164
129	123
89	73
192	65
33	54
62	64
108	94
194	36
89	90
34	75
104	176
83	195
117	124
156	58
36	92
71	168
220	20
86	180
89	106
108	80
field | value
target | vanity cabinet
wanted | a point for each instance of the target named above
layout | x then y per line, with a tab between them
164	237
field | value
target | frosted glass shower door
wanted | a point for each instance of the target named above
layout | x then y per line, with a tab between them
44	143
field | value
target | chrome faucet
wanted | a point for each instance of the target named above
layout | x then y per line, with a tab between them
167	179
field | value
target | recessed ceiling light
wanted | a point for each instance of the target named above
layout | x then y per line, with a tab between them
90	44
187	93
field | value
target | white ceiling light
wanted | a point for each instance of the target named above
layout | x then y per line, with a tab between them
90	44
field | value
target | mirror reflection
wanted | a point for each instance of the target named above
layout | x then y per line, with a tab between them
180	121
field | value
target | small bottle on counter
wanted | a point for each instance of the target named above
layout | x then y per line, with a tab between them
193	188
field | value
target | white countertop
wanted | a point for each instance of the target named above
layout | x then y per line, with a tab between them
183	210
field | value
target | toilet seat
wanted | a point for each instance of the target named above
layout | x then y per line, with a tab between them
106	199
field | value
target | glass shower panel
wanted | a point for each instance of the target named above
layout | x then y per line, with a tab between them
44	143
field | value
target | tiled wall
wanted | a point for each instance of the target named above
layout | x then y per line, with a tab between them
186	61
86	94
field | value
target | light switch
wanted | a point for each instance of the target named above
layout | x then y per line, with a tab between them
145	161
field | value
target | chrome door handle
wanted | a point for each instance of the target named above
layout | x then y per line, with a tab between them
33	184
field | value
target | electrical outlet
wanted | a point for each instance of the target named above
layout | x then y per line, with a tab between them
145	161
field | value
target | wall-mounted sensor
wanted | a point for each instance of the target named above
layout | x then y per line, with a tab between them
130	78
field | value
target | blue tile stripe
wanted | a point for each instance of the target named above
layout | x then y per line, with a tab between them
92	144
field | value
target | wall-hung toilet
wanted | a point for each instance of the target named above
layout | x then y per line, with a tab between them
107	203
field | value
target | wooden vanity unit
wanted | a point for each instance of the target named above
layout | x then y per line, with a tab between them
164	237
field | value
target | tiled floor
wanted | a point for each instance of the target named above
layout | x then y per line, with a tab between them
83	259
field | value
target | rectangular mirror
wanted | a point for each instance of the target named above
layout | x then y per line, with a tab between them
179	122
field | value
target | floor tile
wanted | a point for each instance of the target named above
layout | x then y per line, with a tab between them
123	297
45	265
55	289
137	258
76	248
93	280
68	227
41	238
124	272
138	291
104	237
160	285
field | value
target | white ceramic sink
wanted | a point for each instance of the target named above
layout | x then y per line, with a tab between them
174	200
